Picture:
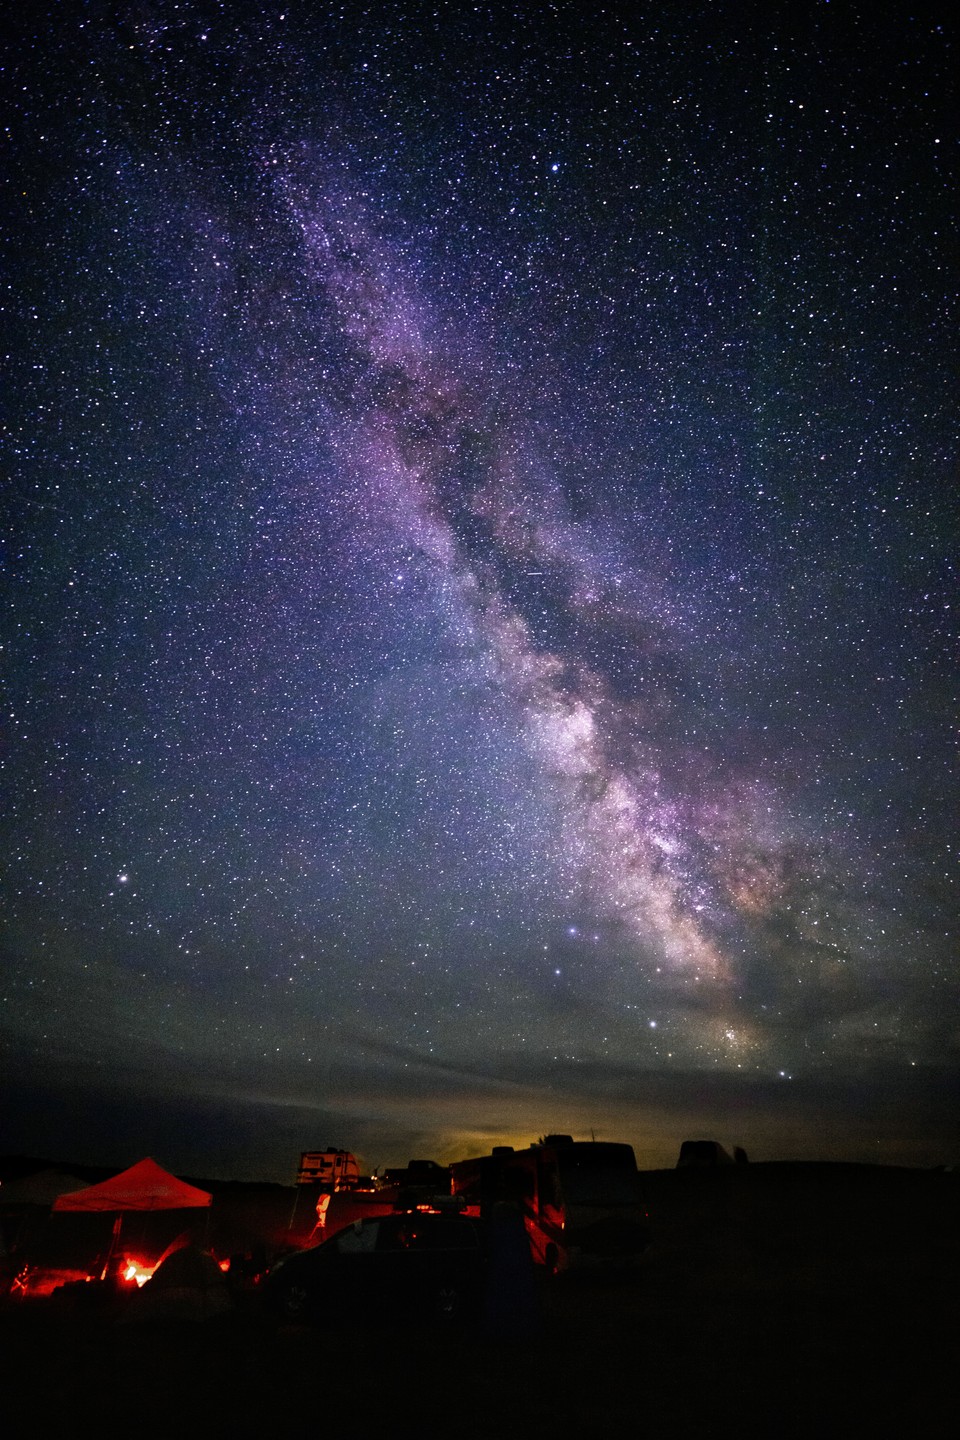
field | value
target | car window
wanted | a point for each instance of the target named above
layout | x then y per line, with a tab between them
358	1240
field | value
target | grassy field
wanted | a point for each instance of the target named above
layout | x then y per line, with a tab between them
778	1301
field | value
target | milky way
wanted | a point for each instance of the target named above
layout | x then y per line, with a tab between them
480	586
646	844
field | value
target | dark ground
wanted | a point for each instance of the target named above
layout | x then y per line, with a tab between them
778	1301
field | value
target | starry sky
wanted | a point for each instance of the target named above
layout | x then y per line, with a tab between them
477	545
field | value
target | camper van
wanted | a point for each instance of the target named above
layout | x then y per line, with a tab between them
581	1200
331	1169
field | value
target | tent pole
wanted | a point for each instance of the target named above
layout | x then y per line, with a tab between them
293	1212
114	1238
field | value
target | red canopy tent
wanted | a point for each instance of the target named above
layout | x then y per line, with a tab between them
145	1186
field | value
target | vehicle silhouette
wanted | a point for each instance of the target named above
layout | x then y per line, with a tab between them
391	1268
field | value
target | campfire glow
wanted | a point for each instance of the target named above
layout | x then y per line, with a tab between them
134	1271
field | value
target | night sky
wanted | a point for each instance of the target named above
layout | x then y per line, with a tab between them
478	526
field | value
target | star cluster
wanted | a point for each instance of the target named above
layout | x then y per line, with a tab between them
479	553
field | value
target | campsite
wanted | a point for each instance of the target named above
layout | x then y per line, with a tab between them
781	1299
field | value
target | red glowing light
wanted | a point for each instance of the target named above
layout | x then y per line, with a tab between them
135	1272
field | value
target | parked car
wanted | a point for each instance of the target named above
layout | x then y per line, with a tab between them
412	1266
703	1155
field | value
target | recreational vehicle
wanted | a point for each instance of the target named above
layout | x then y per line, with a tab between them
581	1200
